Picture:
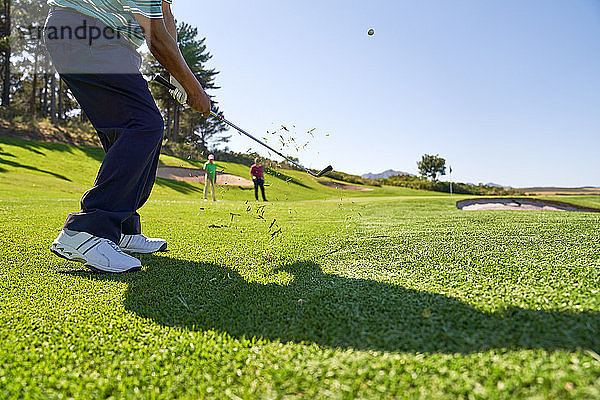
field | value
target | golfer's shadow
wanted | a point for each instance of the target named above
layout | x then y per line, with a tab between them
341	312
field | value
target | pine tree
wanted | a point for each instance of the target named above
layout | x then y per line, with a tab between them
28	18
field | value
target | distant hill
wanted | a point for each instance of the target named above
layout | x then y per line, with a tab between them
384	174
492	184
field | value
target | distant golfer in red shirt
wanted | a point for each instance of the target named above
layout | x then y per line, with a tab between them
258	177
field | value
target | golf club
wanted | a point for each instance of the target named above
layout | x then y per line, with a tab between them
329	168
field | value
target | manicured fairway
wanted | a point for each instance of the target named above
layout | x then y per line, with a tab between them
345	296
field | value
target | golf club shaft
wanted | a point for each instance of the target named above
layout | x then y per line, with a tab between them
170	86
262	143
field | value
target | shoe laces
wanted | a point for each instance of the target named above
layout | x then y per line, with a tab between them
114	246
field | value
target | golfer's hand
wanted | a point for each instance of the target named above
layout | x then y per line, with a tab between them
179	92
199	101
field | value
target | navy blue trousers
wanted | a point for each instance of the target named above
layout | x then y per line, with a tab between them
258	182
117	101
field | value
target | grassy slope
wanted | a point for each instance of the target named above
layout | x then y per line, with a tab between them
359	296
68	171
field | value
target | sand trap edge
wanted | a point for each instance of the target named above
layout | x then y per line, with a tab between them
560	205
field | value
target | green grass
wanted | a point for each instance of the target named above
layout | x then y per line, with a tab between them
590	200
360	295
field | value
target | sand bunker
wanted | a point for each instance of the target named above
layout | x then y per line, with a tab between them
197	175
344	186
520	205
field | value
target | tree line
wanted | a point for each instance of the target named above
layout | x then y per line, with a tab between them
32	89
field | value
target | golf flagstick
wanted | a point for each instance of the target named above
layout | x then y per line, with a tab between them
329	168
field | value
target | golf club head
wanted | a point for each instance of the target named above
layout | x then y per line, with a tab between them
327	169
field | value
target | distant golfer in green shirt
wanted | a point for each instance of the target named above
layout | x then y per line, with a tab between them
210	177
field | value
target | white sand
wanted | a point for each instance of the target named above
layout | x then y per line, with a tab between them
517	204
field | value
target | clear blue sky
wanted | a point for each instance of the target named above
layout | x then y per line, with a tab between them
507	91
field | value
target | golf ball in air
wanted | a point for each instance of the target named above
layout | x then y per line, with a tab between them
371	32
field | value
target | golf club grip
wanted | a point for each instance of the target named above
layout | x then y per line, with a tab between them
160	79
164	82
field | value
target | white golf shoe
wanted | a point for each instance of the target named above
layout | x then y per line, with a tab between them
142	244
98	254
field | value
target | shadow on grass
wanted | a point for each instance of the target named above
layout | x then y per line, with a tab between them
92	152
30	168
338	312
30	146
36	147
179	186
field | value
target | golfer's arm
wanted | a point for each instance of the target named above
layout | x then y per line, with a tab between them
169	20
164	48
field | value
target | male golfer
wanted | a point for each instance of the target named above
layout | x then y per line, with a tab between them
93	46
258	177
210	176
